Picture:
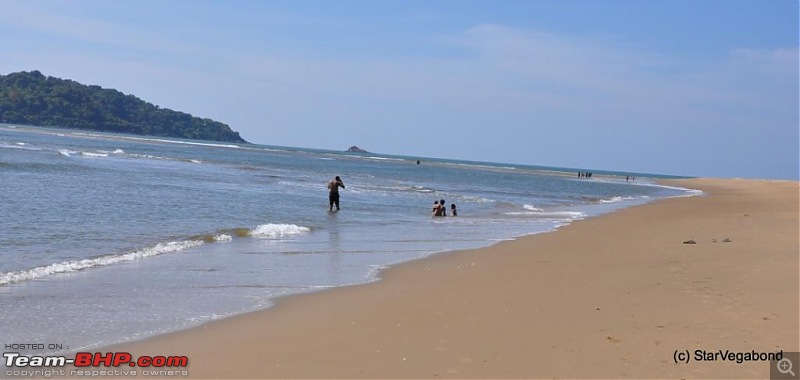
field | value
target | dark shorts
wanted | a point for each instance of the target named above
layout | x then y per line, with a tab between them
333	198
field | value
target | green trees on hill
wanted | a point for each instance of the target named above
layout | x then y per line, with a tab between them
34	99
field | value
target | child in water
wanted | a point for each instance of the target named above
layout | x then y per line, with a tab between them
453	210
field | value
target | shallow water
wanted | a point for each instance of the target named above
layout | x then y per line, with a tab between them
106	238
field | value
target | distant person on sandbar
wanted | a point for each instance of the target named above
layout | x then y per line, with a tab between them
453	211
333	192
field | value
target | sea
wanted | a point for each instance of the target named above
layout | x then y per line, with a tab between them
109	238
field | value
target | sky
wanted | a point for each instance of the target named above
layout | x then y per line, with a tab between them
683	87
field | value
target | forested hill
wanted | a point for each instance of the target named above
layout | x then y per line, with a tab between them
34	99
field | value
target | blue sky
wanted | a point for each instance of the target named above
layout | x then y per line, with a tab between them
702	88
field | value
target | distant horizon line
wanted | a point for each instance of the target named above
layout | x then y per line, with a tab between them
213	143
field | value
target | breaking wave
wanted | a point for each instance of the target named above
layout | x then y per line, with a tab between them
278	230
531	210
268	231
74	266
619	199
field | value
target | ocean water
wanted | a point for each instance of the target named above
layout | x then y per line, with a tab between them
108	238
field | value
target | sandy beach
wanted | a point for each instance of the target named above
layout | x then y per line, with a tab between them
607	297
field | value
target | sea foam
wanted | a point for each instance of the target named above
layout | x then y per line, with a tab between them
272	231
74	266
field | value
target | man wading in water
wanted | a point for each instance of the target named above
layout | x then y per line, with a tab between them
333	192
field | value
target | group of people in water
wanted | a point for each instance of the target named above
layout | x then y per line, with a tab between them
439	207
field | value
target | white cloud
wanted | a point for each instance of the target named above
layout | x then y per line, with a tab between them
67	23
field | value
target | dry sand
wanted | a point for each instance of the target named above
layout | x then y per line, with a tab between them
607	297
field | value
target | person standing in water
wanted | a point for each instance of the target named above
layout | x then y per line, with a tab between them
333	192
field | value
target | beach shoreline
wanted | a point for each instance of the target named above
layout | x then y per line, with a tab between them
531	307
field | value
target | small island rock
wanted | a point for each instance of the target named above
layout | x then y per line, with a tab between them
356	149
